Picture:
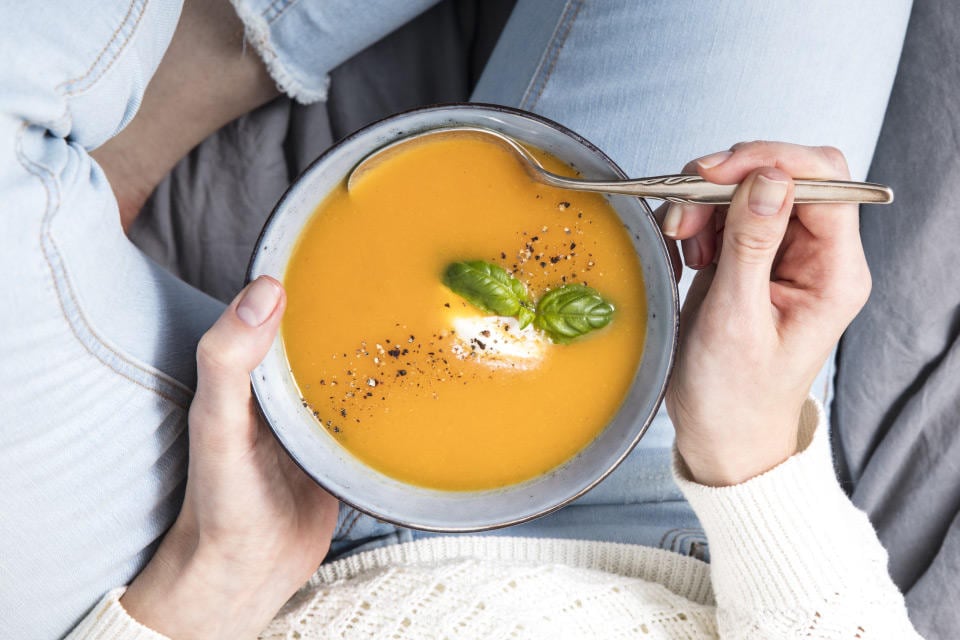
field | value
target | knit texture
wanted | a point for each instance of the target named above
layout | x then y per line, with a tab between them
791	558
485	587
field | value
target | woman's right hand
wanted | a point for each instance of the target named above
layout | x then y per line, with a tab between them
778	284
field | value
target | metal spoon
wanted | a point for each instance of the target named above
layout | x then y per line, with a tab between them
676	188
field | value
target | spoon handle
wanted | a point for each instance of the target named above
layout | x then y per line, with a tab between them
695	190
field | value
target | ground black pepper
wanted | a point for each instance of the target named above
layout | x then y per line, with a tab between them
423	364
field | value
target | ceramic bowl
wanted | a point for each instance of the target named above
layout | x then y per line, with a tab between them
368	490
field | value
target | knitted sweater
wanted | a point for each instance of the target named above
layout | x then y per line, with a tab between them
791	558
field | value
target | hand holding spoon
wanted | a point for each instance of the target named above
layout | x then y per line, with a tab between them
691	189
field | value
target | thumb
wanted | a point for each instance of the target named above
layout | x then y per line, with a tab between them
227	353
755	225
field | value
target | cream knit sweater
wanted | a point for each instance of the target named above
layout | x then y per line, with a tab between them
791	558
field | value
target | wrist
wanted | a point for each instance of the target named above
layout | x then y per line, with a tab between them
726	469
732	455
185	593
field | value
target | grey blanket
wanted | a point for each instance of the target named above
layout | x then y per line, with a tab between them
897	409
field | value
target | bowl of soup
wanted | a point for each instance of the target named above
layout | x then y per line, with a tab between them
407	398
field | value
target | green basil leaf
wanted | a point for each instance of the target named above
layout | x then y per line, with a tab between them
490	288
571	311
526	316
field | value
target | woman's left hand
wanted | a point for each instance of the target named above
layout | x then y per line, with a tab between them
253	527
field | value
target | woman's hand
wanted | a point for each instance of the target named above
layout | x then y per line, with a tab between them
253	526
778	284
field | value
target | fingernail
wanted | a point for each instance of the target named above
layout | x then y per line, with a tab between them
692	254
671	221
766	196
712	160
259	301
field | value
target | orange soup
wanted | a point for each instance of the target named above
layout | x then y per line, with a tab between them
414	380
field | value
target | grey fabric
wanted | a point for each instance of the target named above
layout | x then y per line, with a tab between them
897	408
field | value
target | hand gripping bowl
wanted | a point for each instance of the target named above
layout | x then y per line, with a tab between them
368	490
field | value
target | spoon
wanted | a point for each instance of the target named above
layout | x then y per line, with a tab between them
691	189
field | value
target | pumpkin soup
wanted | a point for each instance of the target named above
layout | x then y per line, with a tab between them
417	381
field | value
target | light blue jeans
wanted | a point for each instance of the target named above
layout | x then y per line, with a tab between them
97	343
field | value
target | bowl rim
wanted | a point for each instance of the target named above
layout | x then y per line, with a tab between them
664	254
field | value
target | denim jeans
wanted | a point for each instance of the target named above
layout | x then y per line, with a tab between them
97	342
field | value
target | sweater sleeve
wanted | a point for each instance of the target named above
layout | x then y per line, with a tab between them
791	556
110	621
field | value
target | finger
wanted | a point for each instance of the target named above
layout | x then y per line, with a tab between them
835	224
832	268
659	214
683	220
700	249
814	163
755	224
695	226
227	353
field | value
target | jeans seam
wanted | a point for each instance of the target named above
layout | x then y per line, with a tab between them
348	513
155	381
66	85
65	88
270	8
151	380
549	61
353	523
277	8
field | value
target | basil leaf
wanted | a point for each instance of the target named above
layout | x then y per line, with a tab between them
490	288
526	316
571	311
